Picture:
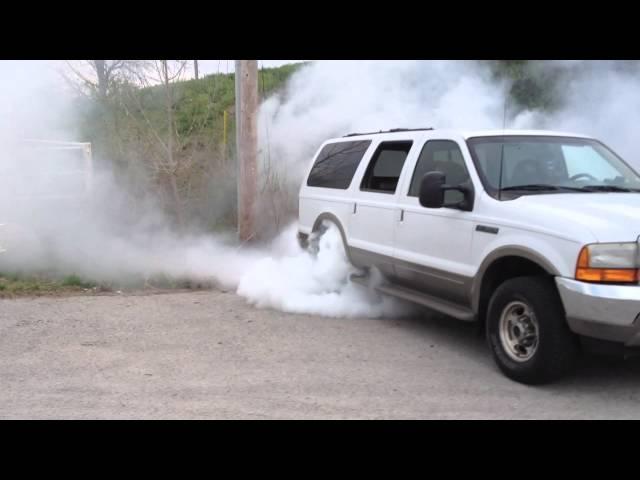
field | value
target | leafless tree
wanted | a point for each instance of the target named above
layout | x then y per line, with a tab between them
181	161
98	77
173	159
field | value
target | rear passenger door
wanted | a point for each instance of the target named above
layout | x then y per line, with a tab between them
375	212
433	246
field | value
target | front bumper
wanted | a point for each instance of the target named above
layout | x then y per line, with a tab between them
606	312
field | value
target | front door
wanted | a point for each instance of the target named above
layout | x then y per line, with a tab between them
432	249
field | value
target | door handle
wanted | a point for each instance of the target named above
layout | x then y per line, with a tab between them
401	215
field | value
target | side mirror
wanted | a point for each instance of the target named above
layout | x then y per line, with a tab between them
432	190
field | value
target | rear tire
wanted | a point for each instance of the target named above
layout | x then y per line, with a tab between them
313	244
528	333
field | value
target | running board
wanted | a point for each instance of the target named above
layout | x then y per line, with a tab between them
443	306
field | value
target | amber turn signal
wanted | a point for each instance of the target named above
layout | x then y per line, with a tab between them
612	275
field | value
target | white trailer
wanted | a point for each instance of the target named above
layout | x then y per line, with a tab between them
34	175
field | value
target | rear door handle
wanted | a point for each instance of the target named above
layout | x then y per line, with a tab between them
401	215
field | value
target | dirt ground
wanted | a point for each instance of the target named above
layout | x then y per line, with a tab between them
208	355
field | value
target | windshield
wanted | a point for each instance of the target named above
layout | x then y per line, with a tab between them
543	164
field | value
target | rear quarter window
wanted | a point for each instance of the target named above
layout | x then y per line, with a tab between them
336	164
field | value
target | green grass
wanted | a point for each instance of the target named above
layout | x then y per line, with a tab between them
14	284
10	285
76	281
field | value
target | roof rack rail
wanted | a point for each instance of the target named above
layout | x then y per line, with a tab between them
393	130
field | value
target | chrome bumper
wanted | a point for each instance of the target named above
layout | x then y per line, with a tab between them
607	312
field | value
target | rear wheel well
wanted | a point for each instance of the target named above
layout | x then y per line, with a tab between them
320	225
323	219
501	270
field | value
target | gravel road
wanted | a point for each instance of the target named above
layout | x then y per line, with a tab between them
208	355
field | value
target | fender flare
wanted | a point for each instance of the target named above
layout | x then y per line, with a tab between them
501	252
333	219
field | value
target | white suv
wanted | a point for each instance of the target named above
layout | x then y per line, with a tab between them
533	234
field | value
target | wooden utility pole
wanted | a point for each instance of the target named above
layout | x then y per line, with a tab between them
195	68
247	145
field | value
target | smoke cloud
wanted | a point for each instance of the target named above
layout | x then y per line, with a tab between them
108	236
598	98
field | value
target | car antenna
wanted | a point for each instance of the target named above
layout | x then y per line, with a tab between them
504	121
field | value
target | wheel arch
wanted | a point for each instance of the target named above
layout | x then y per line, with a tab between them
330	217
504	264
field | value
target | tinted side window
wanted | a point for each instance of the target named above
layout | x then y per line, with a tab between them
442	156
385	167
336	164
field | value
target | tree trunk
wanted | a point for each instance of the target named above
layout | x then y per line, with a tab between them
177	201
173	167
101	72
195	68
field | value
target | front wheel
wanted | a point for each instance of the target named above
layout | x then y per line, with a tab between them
527	331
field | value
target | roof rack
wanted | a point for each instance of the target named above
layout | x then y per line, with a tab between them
393	130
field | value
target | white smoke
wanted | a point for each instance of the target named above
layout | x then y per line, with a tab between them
334	98
300	282
599	98
111	239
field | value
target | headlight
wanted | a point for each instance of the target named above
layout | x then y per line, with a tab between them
608	262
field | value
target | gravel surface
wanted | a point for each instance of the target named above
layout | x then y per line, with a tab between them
208	355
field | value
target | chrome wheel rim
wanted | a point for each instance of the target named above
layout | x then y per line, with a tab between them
519	331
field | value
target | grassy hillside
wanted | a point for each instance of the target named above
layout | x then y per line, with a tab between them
169	142
175	154
201	103
204	100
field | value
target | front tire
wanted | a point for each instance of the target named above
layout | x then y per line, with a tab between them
528	333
